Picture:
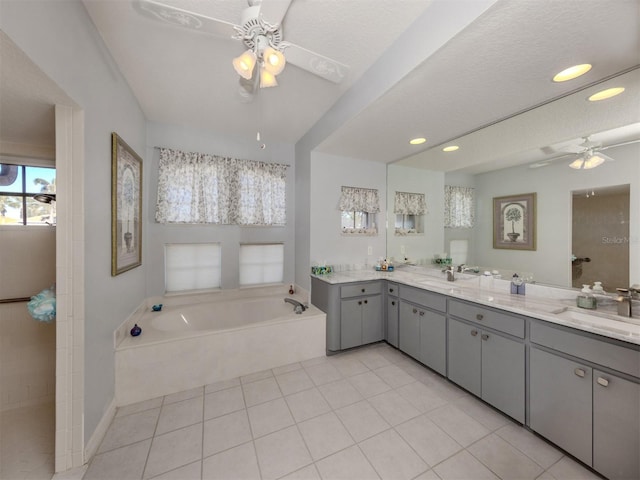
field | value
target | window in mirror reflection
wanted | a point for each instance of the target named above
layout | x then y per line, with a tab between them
459	207
409	209
408	224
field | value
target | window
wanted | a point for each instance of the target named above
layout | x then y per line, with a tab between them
358	208
409	209
19	185
192	266
261	264
459	207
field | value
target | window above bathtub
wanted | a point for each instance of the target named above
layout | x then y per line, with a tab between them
261	264
192	266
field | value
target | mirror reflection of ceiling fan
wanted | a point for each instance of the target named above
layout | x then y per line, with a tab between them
260	30
585	155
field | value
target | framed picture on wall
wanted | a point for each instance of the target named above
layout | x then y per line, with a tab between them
514	222
126	207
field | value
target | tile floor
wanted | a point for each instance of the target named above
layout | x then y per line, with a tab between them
365	414
27	448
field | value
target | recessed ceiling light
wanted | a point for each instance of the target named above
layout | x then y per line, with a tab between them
417	141
450	148
604	94
572	72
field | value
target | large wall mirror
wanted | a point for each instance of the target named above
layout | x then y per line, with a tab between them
531	153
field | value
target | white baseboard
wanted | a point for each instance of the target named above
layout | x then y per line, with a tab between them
98	434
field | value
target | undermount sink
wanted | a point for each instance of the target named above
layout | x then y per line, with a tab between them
610	321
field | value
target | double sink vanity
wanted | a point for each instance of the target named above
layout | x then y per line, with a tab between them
570	375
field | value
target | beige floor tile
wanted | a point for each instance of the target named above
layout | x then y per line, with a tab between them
180	414
222	385
307	473
568	469
348	365
139	406
126	462
174	449
394	376
193	471
421	397
269	417
528	443
281	453
130	429
340	393
362	420
369	384
293	382
463	466
428	475
458	425
307	404
323	373
184	395
428	440
483	413
225	432
349	464
324	435
392	457
286	368
254	377
504	459
222	402
394	408
261	391
237	463
372	359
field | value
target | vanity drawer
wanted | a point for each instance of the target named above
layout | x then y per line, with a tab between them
392	289
431	300
616	357
502	321
360	289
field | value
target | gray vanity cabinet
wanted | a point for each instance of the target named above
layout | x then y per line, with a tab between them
360	314
560	402
423	327
486	363
393	305
616	418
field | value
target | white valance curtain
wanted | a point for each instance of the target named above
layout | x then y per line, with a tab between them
354	199
203	188
410	203
459	207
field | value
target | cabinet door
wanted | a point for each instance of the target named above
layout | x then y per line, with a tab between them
392	321
616	426
503	374
350	323
409	330
560	402
464	356
433	340
372	319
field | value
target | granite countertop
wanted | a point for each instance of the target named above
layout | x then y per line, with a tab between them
551	304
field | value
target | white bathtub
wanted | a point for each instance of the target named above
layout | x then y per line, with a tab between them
216	337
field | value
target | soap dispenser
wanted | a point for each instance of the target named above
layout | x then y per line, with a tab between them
586	299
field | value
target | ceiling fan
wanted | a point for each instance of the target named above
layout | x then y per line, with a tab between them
586	155
260	30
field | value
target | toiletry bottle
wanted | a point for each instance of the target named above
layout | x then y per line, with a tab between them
586	299
515	283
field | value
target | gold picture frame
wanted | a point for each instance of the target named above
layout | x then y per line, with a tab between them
126	207
514	222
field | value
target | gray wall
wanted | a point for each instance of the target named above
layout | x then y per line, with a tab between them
61	39
229	236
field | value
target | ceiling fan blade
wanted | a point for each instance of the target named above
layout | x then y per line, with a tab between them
184	18
618	144
273	11
315	63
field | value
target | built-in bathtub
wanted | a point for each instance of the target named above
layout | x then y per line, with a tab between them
202	339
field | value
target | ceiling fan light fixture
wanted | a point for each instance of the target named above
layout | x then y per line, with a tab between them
577	164
274	60
593	162
245	63
267	79
604	94
572	72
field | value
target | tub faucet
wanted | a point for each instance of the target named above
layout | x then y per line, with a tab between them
297	306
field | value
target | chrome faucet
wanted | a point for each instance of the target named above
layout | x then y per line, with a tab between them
297	306
450	274
624	301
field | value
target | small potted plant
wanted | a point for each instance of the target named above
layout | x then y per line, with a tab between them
513	215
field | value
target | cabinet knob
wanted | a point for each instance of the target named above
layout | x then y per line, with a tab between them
603	381
393	303
415	310
479	316
485	336
421	313
474	333
359	302
363	290
391	290
580	372
366	301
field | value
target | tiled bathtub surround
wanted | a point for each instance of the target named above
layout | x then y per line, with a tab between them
369	413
